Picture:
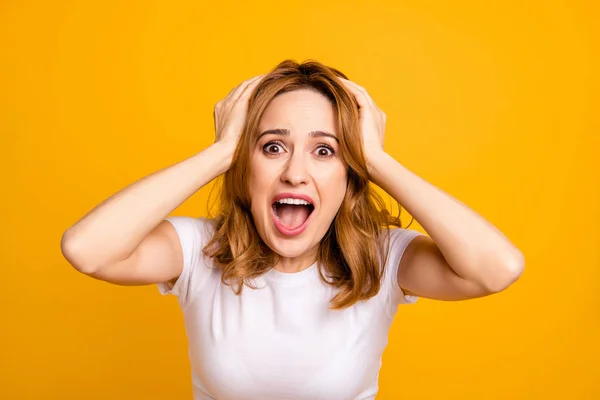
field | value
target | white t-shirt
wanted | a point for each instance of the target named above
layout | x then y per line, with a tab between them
280	341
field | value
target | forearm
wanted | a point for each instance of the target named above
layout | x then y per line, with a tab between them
473	247
112	230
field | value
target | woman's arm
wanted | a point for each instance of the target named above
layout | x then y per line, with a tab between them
465	256
124	239
115	228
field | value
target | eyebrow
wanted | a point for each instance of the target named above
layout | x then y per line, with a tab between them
286	132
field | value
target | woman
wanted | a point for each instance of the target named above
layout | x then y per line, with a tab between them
302	229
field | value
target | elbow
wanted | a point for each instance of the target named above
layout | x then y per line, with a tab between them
70	252
505	273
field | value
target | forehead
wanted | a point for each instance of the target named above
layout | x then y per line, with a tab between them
302	110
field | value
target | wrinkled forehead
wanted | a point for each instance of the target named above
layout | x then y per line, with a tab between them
300	111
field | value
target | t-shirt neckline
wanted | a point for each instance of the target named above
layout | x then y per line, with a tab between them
292	278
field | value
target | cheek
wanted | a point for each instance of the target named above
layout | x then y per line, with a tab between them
255	172
261	176
260	181
333	183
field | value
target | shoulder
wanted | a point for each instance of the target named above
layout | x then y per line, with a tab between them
395	242
194	233
399	239
202	227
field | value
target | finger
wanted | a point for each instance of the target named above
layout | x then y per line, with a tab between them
363	92
357	95
361	97
244	85
233	93
249	87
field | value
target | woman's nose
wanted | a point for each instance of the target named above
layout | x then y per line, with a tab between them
295	171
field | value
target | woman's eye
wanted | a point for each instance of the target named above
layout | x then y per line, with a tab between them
272	148
325	151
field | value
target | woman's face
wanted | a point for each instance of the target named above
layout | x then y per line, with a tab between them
297	177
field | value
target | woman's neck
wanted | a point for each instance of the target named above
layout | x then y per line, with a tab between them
296	264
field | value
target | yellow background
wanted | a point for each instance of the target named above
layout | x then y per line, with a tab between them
494	102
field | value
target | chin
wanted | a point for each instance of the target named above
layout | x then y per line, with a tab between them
294	248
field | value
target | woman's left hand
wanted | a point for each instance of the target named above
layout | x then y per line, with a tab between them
372	121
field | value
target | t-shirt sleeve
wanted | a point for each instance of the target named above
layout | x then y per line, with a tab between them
393	294
194	234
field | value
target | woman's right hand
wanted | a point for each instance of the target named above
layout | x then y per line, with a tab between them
230	113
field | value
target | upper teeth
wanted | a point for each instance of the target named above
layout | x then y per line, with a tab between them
293	201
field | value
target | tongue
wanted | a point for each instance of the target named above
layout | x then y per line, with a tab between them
292	216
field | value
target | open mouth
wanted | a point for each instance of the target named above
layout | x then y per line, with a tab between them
292	214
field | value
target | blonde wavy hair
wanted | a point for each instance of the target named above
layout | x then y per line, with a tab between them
356	270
